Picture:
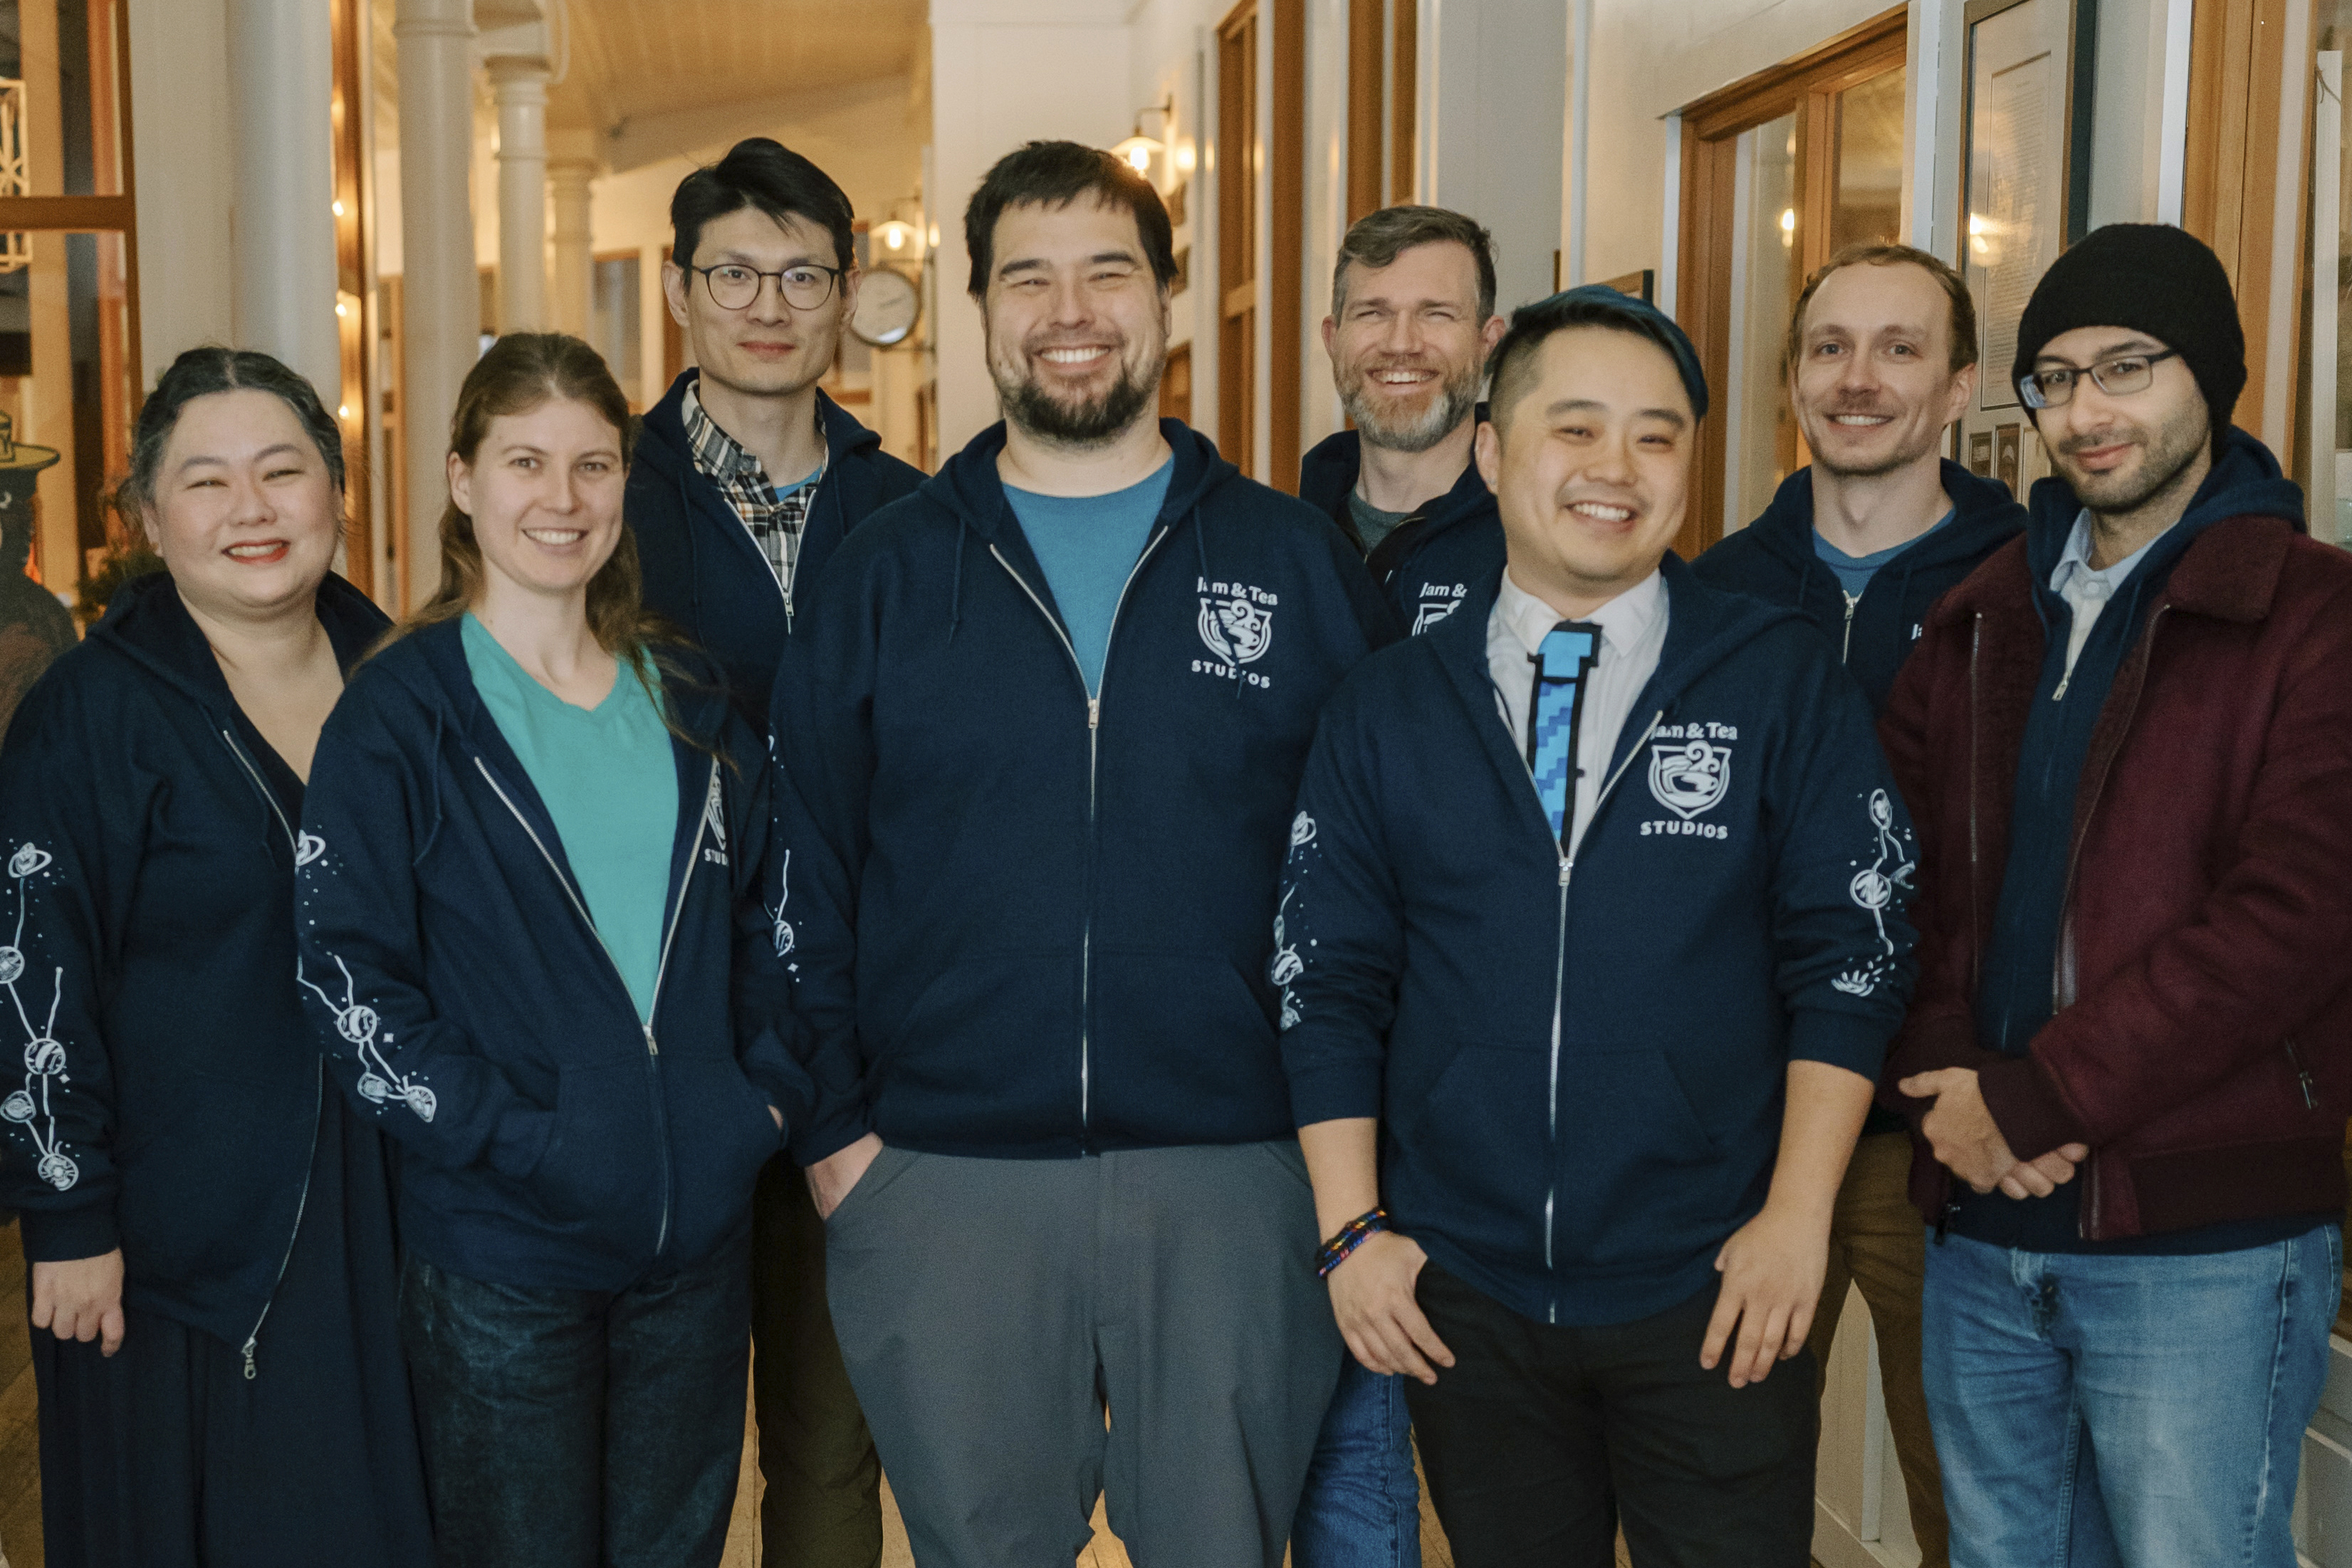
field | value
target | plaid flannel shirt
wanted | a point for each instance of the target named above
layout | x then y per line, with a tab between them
773	522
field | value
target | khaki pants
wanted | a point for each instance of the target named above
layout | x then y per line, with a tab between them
822	1508
1878	1242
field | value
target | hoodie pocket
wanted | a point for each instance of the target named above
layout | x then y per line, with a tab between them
1471	1155
602	1164
720	1134
1641	1178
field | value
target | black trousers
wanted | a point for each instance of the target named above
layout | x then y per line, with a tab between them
581	1428
1541	1439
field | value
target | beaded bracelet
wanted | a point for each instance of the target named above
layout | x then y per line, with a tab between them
1352	1234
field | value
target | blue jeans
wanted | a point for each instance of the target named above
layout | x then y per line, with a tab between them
2094	1411
573	1428
1361	1507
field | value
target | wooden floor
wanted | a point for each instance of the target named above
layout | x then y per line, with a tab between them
20	1469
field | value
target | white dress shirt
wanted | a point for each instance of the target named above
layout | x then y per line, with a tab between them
1633	634
2086	591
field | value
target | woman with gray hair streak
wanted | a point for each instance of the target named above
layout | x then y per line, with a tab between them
209	1228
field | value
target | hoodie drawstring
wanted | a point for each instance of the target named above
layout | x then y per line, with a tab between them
955	589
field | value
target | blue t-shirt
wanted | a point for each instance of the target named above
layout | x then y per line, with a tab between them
1088	545
609	778
1854	571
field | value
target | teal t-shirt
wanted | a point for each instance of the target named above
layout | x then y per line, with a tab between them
609	779
1088	545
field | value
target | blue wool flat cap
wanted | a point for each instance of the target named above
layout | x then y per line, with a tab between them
1599	305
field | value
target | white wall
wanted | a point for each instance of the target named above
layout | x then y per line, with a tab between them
2128	129
186	185
1494	108
1649	57
1004	72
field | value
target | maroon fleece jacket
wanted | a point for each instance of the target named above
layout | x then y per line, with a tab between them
2203	1045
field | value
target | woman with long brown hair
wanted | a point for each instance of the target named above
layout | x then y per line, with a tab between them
532	944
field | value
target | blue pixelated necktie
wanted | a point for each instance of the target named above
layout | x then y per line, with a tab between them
1569	650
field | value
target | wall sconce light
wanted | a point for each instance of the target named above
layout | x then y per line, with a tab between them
898	241
1138	150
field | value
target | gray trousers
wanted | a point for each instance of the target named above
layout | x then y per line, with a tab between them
992	1312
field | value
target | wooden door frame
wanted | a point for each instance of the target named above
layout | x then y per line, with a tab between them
2230	195
1807	85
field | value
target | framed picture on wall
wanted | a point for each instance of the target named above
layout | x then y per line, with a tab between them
1980	453
2014	179
2005	461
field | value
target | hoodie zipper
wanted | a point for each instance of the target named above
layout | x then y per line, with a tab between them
2062	961
1845	647
661	968
302	1199
1559	1002
1094	752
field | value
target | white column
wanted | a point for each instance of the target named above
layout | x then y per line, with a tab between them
282	227
571	252
440	296
521	84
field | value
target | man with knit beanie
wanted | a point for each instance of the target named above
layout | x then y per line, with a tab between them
2127	742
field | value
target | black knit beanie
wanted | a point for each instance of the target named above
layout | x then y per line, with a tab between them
2150	278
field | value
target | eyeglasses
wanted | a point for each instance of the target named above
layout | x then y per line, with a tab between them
2118	377
804	288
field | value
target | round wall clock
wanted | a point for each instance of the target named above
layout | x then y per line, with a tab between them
887	307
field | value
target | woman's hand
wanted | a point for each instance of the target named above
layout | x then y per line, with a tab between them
81	1300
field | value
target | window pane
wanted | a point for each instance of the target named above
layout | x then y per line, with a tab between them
2330	468
1766	266
614	320
59	125
66	396
1867	205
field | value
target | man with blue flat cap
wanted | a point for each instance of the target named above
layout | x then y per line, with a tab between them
1591	943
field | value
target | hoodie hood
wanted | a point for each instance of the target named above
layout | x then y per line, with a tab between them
1774	560
1328	473
968	484
1984	516
662	443
1705	628
2246	482
147	623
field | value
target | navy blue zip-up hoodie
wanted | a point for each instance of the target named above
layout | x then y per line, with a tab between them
1025	923
1581	1067
1773	559
1431	562
464	999
703	570
148	917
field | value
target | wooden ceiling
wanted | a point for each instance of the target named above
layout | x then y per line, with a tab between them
636	58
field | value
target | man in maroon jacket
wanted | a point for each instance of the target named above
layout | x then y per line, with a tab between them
2127	743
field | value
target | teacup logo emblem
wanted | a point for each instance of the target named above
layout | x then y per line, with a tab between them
1689	777
1235	630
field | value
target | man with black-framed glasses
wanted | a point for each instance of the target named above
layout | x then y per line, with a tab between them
745	477
2126	740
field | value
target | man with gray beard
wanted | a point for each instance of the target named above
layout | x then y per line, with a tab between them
1412	318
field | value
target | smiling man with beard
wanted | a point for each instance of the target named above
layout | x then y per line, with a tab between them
2129	742
1040	738
1412	319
